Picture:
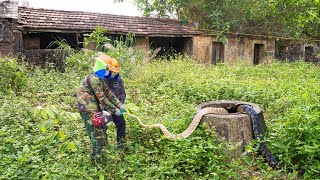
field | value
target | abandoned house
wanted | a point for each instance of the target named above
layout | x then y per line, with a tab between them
31	31
292	50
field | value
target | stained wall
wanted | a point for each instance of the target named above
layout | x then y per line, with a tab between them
236	49
6	38
142	43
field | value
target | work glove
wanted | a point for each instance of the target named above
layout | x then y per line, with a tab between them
107	118
120	112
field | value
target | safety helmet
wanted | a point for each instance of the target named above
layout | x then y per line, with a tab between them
104	58
113	65
104	63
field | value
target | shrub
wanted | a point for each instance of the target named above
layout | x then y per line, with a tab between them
12	75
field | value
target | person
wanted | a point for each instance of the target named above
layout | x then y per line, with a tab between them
116	85
93	97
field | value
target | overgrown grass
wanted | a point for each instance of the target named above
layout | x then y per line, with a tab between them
42	136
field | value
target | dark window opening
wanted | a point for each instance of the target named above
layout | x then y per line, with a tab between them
41	48
308	56
168	46
286	50
217	53
258	53
49	40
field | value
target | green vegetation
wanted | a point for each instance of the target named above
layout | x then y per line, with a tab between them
293	18
42	136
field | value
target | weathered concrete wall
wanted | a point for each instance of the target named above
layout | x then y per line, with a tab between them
44	56
187	49
142	43
6	31
317	53
6	38
201	48
6	49
18	41
232	50
241	50
31	43
289	50
311	52
9	9
268	51
236	49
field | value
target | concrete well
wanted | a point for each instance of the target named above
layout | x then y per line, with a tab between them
235	127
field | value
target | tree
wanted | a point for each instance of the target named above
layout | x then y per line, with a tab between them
294	18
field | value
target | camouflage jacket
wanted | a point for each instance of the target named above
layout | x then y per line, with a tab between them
86	100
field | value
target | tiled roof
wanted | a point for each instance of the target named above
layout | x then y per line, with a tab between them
58	20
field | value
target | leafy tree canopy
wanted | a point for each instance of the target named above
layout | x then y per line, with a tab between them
294	18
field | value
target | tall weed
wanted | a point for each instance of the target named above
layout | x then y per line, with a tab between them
287	92
42	135
12	76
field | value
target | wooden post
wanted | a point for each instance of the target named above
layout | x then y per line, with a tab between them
235	127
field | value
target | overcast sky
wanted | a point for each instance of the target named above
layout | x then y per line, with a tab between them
101	6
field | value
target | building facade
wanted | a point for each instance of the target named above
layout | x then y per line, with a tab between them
30	32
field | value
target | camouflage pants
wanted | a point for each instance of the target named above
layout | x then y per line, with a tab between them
97	135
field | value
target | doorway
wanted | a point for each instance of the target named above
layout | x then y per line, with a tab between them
308	53
258	53
217	53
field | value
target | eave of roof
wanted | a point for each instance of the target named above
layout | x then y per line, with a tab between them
46	20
